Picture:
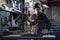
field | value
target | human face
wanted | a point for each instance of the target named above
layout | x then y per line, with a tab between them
37	11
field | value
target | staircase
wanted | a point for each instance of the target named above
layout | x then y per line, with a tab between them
55	29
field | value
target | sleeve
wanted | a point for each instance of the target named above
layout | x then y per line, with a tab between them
32	19
48	23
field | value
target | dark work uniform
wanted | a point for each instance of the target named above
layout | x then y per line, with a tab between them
42	21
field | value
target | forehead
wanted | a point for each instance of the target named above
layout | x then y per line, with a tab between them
36	8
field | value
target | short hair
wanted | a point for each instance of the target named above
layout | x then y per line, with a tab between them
36	7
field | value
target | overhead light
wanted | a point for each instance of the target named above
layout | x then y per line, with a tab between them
44	5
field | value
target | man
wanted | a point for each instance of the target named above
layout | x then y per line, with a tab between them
39	21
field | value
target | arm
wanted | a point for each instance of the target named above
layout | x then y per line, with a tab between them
47	21
32	18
